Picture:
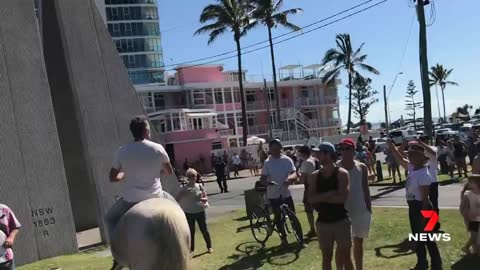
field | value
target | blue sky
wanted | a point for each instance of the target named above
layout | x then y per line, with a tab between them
452	41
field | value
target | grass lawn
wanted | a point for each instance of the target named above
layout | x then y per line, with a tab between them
235	248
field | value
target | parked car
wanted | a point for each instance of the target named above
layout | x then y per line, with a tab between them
399	135
446	131
381	144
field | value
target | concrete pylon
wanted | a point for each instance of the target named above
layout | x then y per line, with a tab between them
93	100
32	176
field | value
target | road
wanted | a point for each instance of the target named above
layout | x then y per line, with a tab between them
382	196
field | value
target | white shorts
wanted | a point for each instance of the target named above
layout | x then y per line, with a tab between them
361	225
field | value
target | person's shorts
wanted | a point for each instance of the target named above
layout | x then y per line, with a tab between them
361	224
307	205
339	232
473	226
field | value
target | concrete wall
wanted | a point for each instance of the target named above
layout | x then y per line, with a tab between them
88	75
200	74
33	181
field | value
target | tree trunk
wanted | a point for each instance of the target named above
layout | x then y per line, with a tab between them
444	111
438	104
349	101
272	55
242	94
427	104
360	111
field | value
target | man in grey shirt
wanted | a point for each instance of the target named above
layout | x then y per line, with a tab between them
279	170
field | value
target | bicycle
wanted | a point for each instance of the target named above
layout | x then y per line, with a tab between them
262	225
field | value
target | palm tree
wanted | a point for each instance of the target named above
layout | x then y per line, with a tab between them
343	57
439	76
267	12
233	16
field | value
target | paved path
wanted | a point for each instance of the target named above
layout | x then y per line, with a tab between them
383	196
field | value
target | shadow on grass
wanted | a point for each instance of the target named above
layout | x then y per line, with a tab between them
387	190
254	256
200	255
467	262
404	248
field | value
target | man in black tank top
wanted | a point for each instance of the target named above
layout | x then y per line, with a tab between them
328	191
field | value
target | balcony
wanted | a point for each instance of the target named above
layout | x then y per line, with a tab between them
317	101
256	106
319	124
256	130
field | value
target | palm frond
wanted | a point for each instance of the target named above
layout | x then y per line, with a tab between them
209	27
330	55
359	59
369	68
451	83
357	52
215	33
277	5
331	75
211	12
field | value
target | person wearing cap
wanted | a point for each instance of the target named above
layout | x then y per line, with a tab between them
417	195
460	153
328	191
9	227
279	172
431	153
358	204
306	169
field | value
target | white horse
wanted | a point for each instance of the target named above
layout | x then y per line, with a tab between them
153	235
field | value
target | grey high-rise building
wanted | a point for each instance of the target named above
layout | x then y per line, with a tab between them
135	29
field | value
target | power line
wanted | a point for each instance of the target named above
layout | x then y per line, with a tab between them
277	37
292	37
403	53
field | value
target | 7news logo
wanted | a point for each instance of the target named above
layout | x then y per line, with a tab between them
429	227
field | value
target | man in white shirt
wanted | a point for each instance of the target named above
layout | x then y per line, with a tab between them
431	153
139	165
307	167
236	164
280	170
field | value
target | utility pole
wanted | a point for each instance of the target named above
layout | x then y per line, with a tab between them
267	100
427	106
386	107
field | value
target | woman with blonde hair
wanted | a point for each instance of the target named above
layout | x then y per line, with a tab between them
193	200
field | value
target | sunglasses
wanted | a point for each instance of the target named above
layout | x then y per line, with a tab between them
348	148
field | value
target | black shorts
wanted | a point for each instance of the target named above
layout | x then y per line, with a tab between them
473	226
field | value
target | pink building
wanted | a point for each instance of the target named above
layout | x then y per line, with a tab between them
199	111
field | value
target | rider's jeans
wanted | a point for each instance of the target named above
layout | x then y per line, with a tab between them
119	208
276	203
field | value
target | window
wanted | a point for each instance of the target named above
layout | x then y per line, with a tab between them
250	95
130	45
114	13
239	120
159	101
131	60
116	29
271	94
218	96
227	95
217	145
198	97
118	44
126	13
208	96
128	28
197	123
251	119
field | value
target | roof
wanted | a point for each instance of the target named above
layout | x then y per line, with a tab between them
290	67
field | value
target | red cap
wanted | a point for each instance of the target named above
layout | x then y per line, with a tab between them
347	141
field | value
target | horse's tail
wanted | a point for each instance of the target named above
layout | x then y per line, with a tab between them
172	242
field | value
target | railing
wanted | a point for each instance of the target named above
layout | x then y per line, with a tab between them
259	129
315	123
315	101
256	105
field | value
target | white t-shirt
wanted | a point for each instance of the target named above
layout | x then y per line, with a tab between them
141	162
236	160
416	179
308	166
278	170
433	164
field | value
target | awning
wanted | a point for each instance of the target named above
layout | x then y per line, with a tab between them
200	115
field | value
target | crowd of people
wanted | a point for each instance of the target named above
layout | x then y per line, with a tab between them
336	187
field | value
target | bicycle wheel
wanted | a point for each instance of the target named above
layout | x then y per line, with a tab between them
260	225
295	226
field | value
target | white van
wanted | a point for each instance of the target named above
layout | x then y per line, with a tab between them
465	130
399	135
